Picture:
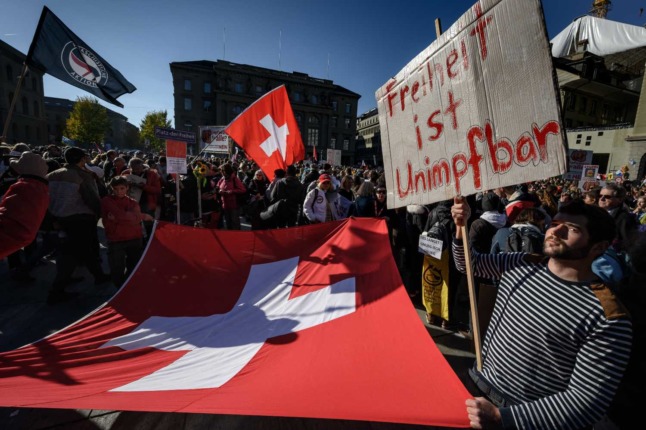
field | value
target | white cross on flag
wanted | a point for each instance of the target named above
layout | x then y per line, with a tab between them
268	132
301	322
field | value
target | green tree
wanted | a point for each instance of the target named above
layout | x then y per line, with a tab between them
147	129
88	122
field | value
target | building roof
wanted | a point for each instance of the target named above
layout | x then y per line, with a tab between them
623	46
207	65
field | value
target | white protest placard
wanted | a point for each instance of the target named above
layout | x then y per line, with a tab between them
213	139
333	156
175	157
430	246
589	179
476	110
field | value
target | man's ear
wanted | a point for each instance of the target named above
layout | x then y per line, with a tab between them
599	248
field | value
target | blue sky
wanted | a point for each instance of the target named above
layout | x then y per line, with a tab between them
366	41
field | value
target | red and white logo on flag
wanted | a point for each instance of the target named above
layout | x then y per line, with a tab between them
268	132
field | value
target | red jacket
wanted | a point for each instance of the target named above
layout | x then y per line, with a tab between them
121	218
22	210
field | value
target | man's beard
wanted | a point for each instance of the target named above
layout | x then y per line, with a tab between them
561	251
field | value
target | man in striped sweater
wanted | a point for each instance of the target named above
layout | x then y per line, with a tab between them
558	341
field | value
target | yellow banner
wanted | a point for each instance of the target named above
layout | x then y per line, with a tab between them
435	285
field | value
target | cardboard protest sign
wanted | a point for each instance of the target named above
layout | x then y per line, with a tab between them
477	109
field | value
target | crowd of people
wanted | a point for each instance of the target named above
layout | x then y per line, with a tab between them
565	263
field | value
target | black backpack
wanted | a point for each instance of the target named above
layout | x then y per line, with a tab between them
524	239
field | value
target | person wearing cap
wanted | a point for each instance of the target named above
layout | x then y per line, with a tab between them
24	205
122	218
74	201
320	203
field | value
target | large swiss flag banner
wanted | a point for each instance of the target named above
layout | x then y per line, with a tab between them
268	132
302	322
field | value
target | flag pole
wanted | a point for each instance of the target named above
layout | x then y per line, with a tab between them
473	303
13	102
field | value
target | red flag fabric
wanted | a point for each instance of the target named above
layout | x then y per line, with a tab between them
268	132
314	155
302	322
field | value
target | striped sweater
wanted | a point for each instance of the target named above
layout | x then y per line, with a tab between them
550	348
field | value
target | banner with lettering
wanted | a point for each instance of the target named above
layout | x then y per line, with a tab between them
213	139
477	109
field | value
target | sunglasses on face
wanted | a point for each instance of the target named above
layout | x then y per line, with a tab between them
606	196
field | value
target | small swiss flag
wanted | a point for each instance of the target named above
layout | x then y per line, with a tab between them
314	155
268	132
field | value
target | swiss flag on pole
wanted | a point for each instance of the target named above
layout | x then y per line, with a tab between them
307	321
314	155
268	132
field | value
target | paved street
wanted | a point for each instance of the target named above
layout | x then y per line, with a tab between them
25	318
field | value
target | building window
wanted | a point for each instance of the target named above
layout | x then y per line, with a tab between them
259	89
313	119
583	104
593	108
314	99
187	85
34	83
333	143
297	96
299	118
188	104
206	105
236	109
346	122
570	101
36	110
334	122
9	71
600	133
188	126
578	139
312	137
346	144
238	87
347	108
335	105
25	106
588	140
207	88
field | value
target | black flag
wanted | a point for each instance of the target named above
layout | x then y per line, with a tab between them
59	52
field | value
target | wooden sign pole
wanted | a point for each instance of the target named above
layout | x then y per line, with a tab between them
473	302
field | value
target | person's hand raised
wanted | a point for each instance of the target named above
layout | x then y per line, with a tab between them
460	211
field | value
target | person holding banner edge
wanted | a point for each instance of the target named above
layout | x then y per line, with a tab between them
556	364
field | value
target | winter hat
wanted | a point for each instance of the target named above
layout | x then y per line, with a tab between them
74	155
30	164
490	202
